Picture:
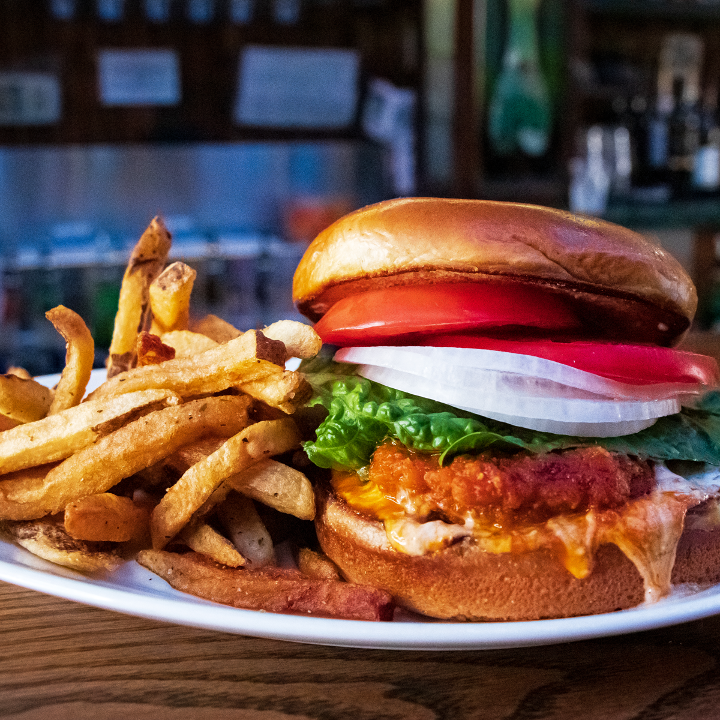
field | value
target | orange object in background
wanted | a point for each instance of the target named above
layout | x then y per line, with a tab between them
305	217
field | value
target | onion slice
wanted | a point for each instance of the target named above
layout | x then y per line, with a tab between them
474	367
586	417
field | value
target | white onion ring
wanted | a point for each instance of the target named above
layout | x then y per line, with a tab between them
580	429
434	362
605	418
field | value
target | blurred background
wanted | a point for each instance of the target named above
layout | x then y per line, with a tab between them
249	125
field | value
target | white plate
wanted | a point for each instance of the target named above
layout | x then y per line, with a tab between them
136	591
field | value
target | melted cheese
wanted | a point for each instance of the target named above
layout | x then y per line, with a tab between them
647	530
414	538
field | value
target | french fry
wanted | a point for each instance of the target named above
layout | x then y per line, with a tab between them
316	565
188	343
285	391
217	497
256	442
137	445
21	372
79	358
268	589
300	340
133	315
47	539
203	539
7	423
278	486
246	530
192	453
215	328
23	400
249	357
58	436
170	298
151	350
106	518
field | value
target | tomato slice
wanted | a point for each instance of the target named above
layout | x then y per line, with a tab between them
373	317
634	364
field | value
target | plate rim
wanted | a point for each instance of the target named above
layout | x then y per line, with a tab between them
171	606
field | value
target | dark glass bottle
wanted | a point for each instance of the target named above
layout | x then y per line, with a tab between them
683	136
658	139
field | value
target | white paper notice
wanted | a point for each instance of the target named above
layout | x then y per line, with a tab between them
139	77
286	87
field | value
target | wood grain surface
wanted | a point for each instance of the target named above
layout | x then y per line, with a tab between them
64	661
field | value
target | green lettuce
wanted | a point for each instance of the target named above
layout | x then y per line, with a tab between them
361	414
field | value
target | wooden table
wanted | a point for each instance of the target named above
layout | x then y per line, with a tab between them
64	661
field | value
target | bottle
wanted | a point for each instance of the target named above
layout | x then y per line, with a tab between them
706	167
590	183
520	112
637	124
683	135
658	136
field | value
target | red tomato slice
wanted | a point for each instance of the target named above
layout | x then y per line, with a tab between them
372	318
634	364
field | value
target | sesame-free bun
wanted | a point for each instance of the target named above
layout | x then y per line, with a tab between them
463	582
623	286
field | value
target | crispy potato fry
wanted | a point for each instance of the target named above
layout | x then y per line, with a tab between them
254	443
300	340
170	298
215	328
151	350
7	423
21	372
246	530
268	481
285	391
47	539
217	496
58	436
178	413
192	453
278	486
316	565
249	357
268	589
203	539
137	445
188	343
79	358
106	518
133	315
23	400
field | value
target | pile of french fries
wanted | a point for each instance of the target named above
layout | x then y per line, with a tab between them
187	458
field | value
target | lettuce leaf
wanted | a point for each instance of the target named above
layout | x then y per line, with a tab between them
361	414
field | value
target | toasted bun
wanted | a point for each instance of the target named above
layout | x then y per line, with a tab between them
465	583
622	285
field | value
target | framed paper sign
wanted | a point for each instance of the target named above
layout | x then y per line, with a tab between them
294	87
139	77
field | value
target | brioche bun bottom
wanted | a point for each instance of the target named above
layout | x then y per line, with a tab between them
463	582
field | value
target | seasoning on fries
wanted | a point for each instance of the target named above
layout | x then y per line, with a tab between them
133	315
189	448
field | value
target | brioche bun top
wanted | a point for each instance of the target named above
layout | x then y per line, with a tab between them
621	283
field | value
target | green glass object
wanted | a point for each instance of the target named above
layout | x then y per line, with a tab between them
520	112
